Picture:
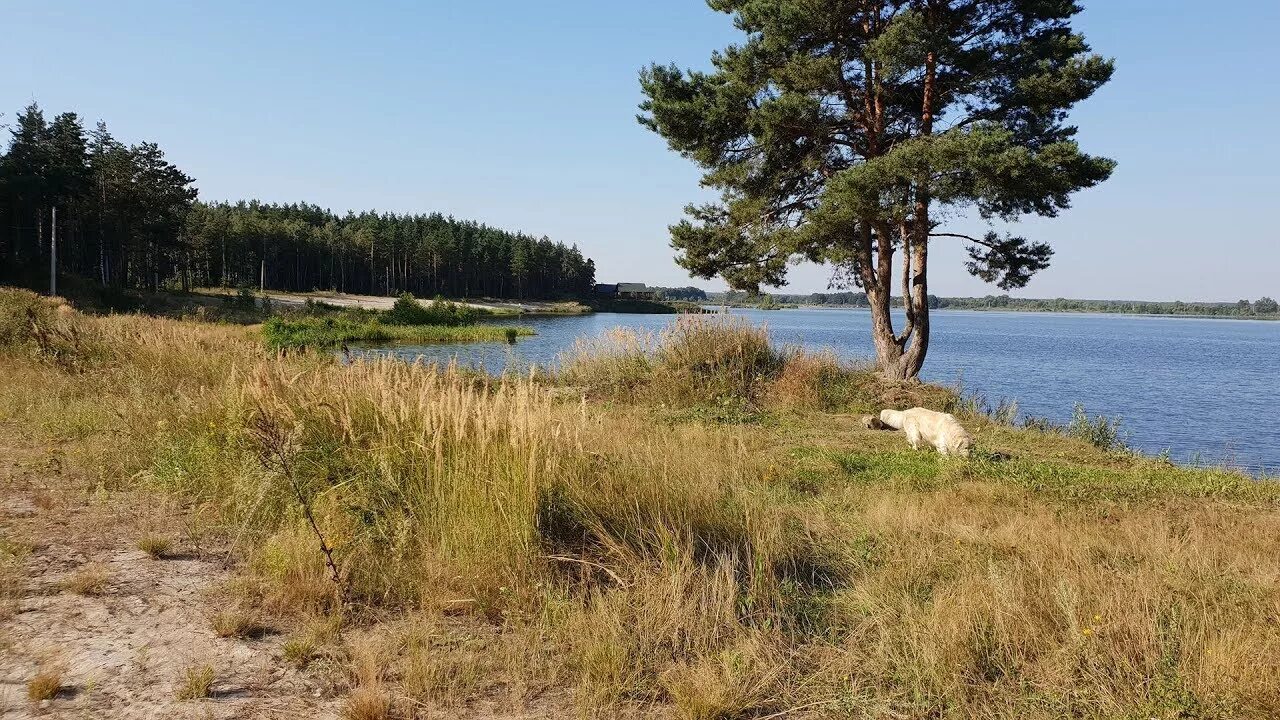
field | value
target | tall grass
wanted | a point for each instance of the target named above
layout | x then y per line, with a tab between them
726	571
709	359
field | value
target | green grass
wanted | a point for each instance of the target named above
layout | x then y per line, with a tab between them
711	531
328	332
319	325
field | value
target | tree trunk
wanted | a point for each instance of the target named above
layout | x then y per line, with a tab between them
913	360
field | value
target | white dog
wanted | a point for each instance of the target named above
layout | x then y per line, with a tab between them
940	430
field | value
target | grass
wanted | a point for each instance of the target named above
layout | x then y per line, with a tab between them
318	325
13	576
710	531
44	685
326	332
298	651
156	546
237	623
90	580
194	682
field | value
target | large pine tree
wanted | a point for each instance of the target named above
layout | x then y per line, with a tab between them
838	130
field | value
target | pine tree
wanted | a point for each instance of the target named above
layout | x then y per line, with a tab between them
838	129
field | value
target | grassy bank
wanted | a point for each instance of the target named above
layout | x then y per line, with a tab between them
281	332
692	523
322	326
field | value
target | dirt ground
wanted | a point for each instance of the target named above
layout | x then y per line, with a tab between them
122	648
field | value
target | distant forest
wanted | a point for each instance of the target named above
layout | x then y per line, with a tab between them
691	294
128	218
1264	306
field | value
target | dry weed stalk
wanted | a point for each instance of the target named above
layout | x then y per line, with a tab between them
275	453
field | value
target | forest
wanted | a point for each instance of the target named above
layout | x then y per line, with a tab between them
126	217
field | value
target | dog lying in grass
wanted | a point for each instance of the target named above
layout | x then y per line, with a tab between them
938	429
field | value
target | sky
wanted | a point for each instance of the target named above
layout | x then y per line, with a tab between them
522	115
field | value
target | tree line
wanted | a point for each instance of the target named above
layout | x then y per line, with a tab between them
301	247
1263	306
687	293
1240	308
126	217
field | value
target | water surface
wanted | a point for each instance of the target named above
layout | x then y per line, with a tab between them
1206	390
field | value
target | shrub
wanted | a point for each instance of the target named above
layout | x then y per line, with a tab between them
245	298
1101	432
408	311
715	356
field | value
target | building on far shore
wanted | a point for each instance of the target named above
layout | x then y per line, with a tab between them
634	291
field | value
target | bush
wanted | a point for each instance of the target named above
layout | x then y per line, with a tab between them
245	298
408	311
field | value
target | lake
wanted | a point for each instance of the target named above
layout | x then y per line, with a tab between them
1206	390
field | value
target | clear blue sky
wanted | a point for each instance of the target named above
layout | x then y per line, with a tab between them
521	114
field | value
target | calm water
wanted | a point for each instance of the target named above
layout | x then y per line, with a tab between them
1206	390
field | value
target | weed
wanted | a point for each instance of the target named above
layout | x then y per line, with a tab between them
12	575
327	332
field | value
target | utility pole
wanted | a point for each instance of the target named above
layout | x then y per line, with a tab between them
262	276
53	254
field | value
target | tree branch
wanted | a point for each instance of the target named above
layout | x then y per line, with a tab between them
962	236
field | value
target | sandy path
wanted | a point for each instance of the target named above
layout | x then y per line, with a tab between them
122	650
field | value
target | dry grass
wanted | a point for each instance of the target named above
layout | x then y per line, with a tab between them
370	699
13	576
368	703
89	580
237	623
194	682
789	559
157	546
315	637
45	685
698	358
298	651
